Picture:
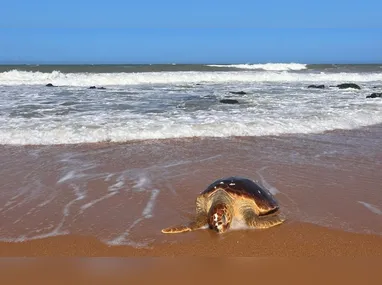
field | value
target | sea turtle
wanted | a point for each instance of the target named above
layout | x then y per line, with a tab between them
233	200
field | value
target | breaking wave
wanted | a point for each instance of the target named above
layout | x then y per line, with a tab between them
15	77
266	66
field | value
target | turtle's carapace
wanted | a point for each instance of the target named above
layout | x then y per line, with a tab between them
233	199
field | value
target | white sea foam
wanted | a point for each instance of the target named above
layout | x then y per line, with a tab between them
55	133
238	225
146	214
16	77
268	186
121	239
156	105
58	228
95	201
142	181
374	209
265	66
148	210
68	176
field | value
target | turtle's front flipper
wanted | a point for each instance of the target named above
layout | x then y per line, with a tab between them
262	222
176	230
200	221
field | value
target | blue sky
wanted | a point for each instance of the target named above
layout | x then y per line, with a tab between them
197	31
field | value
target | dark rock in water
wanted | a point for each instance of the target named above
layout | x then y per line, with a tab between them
317	86
375	95
93	87
50	85
348	85
238	92
229	101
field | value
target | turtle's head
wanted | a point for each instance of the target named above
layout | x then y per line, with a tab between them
219	218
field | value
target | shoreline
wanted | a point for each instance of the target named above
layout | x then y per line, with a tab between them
289	240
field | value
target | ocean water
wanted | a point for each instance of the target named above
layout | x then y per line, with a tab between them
126	193
178	101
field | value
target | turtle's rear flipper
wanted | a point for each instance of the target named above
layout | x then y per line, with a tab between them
262	222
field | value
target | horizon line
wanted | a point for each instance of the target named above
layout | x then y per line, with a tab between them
2	63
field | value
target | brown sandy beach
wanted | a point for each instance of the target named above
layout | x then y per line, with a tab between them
275	251
113	199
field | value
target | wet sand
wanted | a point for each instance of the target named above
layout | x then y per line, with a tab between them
289	240
282	254
113	199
